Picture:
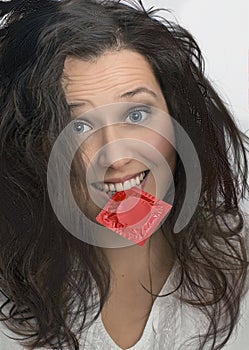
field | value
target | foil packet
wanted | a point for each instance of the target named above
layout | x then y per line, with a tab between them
133	214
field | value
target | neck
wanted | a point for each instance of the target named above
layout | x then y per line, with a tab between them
135	262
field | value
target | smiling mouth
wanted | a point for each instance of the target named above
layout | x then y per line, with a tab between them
111	188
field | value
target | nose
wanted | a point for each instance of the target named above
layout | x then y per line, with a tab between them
114	150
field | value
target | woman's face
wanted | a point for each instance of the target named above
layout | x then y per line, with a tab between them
112	99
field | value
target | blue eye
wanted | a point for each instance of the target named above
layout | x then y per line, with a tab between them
138	115
80	127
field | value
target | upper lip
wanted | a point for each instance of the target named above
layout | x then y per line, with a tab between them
123	179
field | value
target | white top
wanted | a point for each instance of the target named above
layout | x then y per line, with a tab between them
169	325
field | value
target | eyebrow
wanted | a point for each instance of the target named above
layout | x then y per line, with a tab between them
128	94
137	91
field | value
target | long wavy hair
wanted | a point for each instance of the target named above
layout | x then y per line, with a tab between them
47	275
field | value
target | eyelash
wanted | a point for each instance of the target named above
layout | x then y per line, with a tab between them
144	109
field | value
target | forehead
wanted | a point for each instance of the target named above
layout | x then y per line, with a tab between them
124	58
116	71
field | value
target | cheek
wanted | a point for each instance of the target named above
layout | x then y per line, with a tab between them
89	148
163	146
168	152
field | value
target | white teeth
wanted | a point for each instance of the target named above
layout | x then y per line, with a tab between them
121	186
112	187
133	182
118	187
137	180
127	185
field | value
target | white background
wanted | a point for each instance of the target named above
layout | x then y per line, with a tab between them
220	27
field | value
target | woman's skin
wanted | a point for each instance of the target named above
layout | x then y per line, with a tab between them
119	76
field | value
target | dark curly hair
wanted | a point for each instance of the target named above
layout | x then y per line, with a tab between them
46	274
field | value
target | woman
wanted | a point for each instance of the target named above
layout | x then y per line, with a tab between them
93	65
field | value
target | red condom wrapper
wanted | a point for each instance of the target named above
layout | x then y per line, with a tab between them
133	214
